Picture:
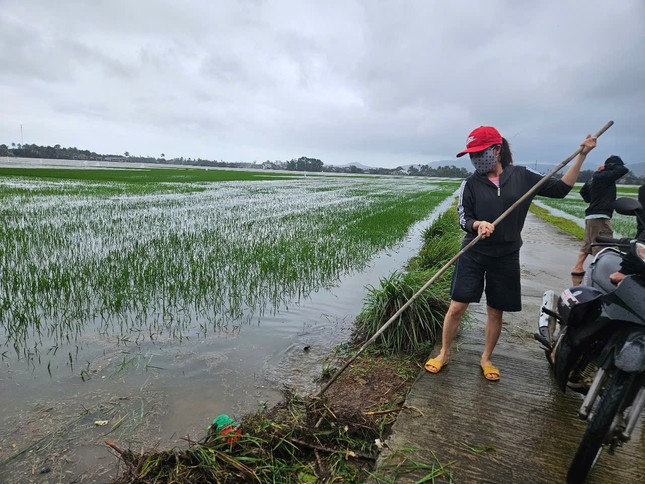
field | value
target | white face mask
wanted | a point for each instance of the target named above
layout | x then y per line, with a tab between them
485	161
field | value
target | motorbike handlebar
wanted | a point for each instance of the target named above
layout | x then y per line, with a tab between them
602	239
610	241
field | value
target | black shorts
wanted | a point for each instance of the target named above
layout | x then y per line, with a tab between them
499	275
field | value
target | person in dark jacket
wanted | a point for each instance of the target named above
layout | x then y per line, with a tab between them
629	264
493	264
600	193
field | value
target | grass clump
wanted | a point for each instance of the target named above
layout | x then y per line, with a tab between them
418	326
441	241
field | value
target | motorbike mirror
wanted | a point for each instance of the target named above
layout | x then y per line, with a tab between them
627	206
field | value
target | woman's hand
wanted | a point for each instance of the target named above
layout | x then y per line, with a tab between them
485	229
570	177
616	277
588	144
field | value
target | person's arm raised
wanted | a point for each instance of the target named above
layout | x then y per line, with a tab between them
572	173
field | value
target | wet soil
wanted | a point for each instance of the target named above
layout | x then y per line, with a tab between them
41	443
374	385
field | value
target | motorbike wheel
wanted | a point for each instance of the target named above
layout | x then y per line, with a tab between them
599	424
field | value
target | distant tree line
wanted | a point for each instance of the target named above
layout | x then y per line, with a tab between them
441	171
313	164
55	152
300	164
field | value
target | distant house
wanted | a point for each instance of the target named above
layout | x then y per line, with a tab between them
114	158
269	165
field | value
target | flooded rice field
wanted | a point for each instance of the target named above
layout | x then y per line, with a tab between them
573	207
136	313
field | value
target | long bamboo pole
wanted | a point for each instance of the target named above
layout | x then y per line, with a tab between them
534	189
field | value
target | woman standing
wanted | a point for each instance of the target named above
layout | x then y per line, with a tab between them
493	264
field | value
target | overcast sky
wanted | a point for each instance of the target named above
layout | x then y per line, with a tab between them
379	82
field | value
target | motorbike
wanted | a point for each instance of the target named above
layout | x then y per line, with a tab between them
594	338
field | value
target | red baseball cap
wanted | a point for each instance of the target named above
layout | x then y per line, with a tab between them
481	138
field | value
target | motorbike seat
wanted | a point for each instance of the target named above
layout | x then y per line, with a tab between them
606	263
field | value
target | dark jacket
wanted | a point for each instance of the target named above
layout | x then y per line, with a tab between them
480	199
600	190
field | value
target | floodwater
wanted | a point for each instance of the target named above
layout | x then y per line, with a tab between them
58	406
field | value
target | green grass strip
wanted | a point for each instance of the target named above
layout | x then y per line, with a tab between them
562	223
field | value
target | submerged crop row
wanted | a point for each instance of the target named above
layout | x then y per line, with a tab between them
180	255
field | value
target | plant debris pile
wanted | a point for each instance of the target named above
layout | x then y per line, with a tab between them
300	440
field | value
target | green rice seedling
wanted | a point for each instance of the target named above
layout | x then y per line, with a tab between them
136	261
442	240
400	464
479	448
418	326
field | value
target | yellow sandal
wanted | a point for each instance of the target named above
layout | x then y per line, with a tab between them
435	364
490	370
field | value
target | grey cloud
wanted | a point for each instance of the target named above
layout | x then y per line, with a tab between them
34	52
388	80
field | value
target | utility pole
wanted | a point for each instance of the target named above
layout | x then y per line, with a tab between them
22	140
